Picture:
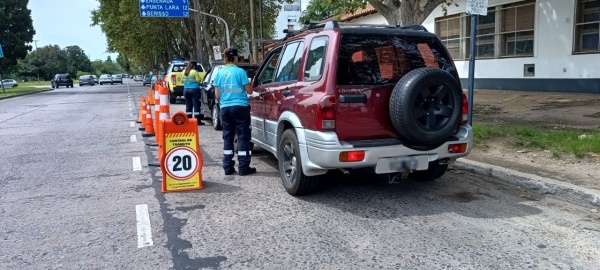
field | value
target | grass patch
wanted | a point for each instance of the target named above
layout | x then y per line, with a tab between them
35	83
19	90
557	140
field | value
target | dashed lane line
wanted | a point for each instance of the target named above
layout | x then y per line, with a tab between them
144	230
137	163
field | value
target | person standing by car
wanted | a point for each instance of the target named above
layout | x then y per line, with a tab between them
232	88
191	91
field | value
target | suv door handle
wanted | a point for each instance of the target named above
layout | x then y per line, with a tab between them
286	92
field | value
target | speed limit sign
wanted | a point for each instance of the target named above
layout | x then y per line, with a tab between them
181	163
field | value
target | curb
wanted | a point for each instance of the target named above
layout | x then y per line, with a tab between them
24	94
542	185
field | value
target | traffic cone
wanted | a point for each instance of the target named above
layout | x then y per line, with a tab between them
141	114
156	109
143	107
149	132
150	97
163	116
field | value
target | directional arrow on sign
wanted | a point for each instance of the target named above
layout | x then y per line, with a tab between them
144	13
143	1
143	7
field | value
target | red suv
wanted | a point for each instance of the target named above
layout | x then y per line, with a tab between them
341	97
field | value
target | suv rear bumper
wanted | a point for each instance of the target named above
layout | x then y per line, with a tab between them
321	151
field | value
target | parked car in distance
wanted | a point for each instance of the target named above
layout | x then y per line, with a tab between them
209	105
138	78
147	79
62	80
105	78
87	80
380	99
95	78
117	78
9	83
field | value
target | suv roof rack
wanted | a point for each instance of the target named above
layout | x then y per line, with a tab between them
337	25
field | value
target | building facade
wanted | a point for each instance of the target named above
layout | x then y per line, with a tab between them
543	45
289	16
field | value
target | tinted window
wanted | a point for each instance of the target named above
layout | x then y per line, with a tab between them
287	61
314	62
266	75
370	59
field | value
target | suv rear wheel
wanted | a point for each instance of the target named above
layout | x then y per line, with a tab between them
426	105
290	166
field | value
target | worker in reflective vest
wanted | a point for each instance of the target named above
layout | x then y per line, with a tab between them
232	88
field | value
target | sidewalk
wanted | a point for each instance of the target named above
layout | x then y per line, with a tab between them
555	110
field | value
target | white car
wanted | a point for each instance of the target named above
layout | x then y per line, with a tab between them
105	78
8	83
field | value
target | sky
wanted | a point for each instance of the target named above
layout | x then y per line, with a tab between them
67	22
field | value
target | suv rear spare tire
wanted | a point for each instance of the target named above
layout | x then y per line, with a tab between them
426	106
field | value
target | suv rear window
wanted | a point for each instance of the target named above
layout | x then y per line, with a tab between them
178	68
372	59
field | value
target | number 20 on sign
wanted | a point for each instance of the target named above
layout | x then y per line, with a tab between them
181	159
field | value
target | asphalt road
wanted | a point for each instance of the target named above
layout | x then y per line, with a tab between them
71	197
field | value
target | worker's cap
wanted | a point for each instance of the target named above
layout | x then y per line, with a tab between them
231	52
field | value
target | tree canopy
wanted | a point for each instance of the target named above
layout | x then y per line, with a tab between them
396	12
16	32
146	41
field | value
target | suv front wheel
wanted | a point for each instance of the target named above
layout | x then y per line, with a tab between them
290	166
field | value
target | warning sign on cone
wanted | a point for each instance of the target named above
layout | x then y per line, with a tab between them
181	159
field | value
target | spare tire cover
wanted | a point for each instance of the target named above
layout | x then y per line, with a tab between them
426	106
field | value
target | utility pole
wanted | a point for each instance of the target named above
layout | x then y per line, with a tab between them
253	35
262	32
198	20
218	18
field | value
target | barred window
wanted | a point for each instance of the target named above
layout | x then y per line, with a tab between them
448	29
516	34
587	26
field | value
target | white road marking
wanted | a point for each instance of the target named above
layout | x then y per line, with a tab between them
144	231
132	124
130	109
133	138
137	164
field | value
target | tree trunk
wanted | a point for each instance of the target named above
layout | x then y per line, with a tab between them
407	12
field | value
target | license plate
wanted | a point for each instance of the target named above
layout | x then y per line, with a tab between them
399	164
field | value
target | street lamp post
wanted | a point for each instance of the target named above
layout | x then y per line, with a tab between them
219	18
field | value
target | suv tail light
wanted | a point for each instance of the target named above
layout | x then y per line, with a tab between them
465	110
174	79
325	119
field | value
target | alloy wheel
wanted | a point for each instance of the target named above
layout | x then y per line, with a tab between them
289	162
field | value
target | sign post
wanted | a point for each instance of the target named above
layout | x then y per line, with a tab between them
181	161
165	9
475	8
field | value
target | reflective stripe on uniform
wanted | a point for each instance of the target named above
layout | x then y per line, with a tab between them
196	113
231	90
244	153
227	152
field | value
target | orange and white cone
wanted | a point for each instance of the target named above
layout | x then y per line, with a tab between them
149	132
150	96
141	114
143	107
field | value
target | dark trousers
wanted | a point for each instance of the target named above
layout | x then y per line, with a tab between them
236	119
192	103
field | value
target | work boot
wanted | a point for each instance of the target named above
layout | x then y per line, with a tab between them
249	170
230	171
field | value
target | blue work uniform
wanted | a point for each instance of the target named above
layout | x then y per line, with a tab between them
235	116
191	92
